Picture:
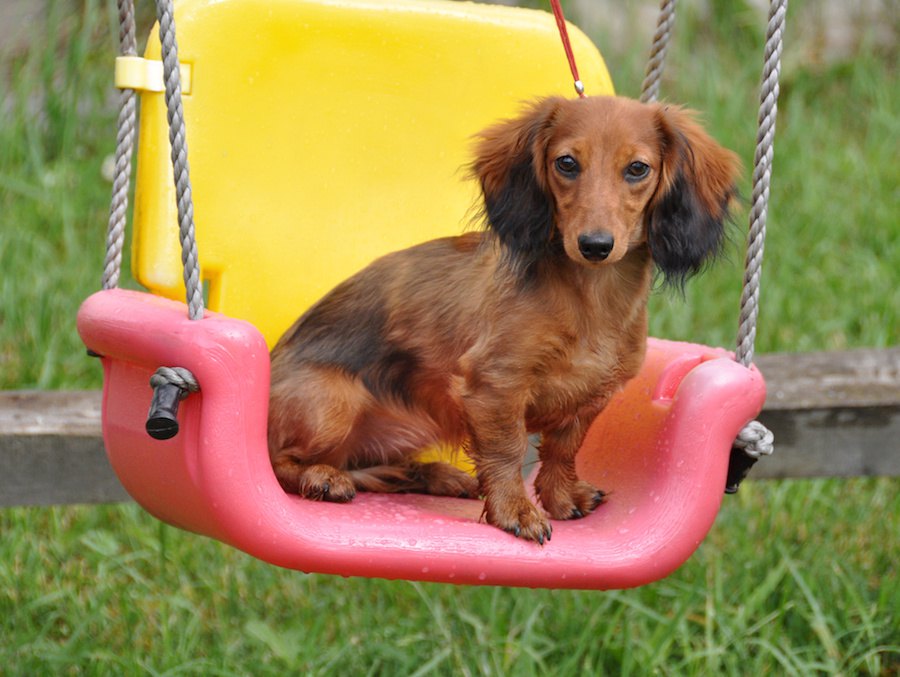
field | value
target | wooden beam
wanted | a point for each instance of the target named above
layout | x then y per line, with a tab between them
51	451
834	414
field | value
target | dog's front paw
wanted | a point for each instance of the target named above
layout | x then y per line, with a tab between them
581	499
326	483
521	518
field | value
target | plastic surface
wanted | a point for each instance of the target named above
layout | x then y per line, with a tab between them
146	75
660	449
322	134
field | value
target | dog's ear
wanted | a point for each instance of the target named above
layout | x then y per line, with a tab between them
510	166
686	217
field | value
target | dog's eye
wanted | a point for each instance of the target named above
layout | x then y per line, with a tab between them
567	166
637	171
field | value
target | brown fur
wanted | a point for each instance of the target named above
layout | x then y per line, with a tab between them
480	339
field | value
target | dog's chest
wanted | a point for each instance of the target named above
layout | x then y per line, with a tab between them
581	376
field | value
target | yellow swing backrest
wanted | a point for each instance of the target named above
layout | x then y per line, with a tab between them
323	134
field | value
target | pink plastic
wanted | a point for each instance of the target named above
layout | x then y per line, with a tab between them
660	449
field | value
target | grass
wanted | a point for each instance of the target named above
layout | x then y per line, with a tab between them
57	115
107	590
795	577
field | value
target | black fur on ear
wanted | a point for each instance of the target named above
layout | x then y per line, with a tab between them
687	218
518	209
521	216
683	236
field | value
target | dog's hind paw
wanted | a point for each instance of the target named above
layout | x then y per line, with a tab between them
326	483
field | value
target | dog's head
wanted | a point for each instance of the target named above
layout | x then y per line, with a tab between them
594	178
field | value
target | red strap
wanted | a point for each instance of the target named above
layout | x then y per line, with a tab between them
564	34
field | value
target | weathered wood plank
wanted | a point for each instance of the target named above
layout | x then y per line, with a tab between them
50	412
838	442
833	414
51	451
860	378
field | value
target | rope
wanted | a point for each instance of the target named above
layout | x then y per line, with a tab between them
177	376
664	24
118	208
178	141
756	440
762	173
567	46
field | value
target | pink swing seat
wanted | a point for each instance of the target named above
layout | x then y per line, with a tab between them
660	449
303	117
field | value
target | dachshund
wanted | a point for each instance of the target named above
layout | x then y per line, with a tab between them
528	325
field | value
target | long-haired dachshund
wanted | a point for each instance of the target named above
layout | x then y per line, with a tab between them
530	325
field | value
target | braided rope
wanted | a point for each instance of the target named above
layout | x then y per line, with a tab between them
177	376
118	208
178	141
755	440
762	173
650	87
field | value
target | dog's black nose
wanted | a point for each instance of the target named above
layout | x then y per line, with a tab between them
595	246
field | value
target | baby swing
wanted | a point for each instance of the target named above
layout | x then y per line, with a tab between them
369	107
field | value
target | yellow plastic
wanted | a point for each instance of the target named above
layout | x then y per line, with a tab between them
322	134
146	75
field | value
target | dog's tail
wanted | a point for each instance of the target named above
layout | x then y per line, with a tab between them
439	479
386	479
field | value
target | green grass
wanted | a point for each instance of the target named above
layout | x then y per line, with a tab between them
792	580
795	577
56	130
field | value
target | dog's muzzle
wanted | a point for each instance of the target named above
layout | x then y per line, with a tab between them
595	246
